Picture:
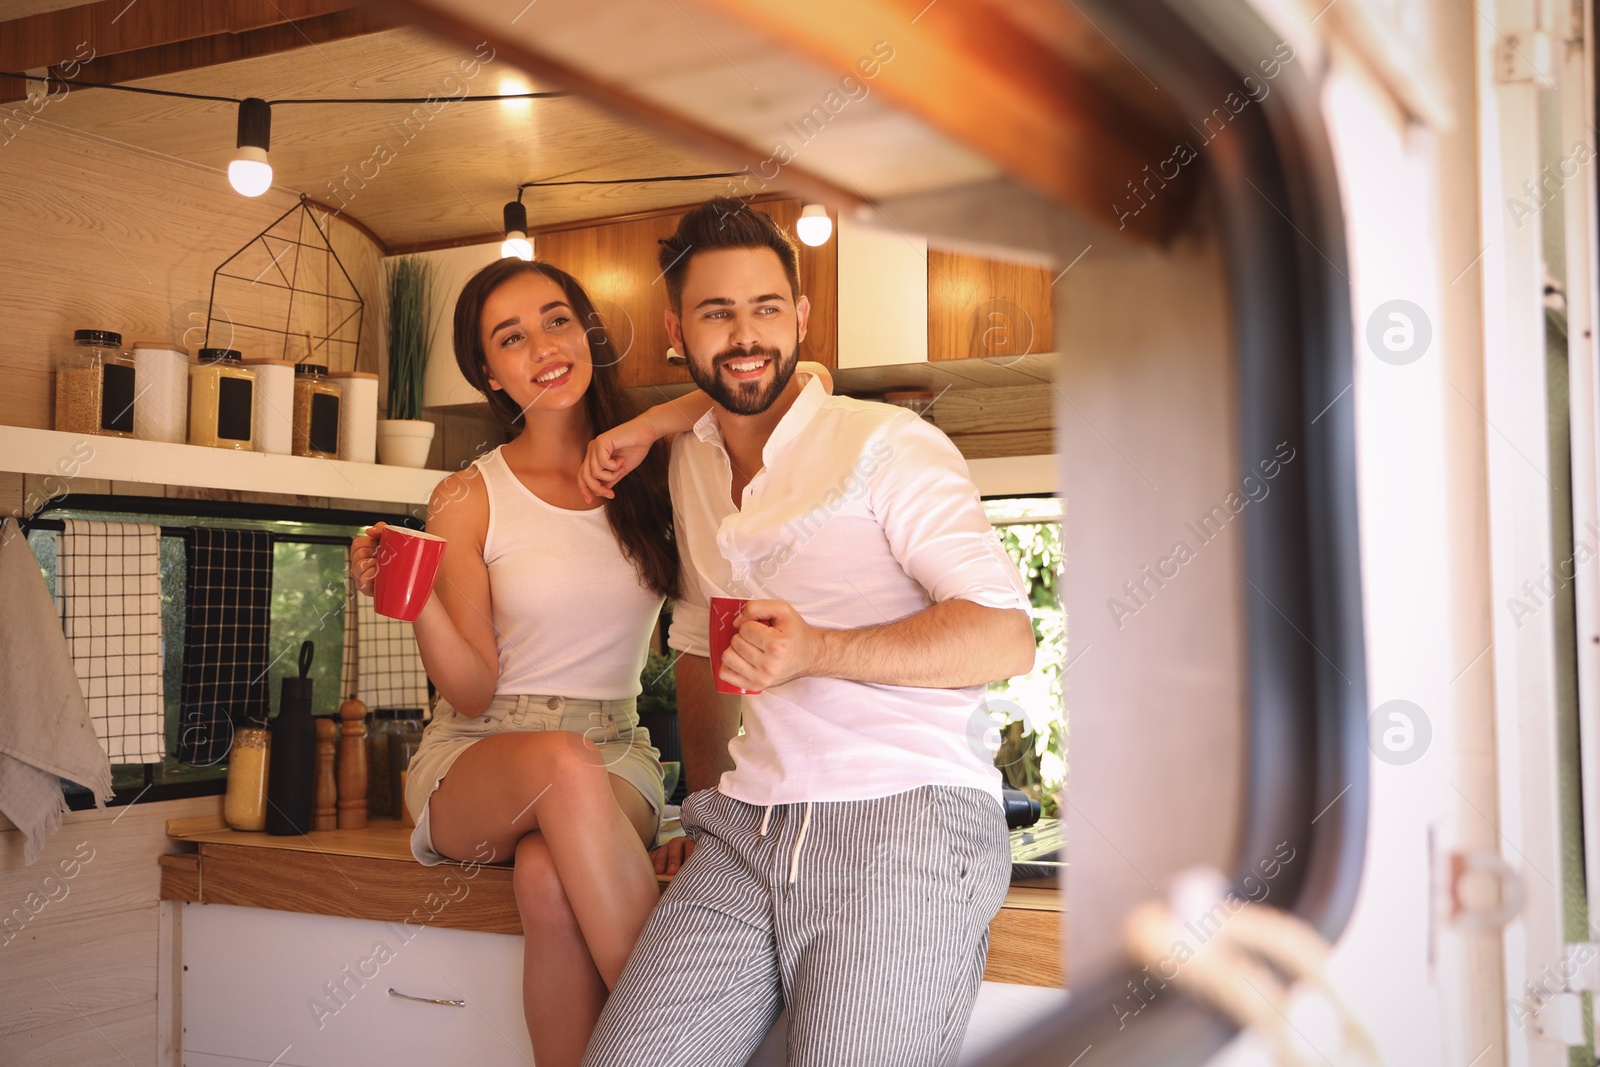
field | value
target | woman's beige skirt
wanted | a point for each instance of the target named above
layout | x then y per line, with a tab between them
613	726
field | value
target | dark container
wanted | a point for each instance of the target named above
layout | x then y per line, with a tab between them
290	785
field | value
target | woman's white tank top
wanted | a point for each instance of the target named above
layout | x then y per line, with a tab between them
571	616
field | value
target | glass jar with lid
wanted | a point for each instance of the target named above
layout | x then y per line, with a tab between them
222	400
249	761
316	412
95	386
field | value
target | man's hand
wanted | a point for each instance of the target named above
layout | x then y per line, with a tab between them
670	856
773	645
612	455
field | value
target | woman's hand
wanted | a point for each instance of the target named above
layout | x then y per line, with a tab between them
613	454
670	856
364	557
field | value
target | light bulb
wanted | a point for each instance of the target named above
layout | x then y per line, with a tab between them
516	242
814	226
250	174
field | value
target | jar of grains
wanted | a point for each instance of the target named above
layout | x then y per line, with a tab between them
316	412
95	386
245	805
222	401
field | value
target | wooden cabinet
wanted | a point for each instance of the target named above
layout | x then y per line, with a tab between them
617	264
879	298
980	307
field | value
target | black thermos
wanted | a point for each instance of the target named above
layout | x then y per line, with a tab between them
294	746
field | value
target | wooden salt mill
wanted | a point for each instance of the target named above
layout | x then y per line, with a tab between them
353	766
325	813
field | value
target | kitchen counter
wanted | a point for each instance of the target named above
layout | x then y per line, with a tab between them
370	874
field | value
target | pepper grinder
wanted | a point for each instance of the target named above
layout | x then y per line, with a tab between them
294	739
353	766
326	815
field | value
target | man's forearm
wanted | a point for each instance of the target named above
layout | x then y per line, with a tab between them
949	645
707	721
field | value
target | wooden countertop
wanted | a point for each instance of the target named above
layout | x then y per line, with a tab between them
370	874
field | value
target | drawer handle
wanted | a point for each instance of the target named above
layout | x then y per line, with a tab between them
427	1000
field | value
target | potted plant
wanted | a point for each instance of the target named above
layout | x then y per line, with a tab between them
404	438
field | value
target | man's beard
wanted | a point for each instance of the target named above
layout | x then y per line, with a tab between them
745	398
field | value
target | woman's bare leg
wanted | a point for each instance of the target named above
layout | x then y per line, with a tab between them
562	993
511	784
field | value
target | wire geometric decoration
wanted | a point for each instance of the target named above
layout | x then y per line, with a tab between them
289	274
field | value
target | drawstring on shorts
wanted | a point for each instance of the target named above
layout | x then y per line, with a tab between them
794	860
794	856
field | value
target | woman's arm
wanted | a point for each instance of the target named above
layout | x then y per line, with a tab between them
455	632
615	453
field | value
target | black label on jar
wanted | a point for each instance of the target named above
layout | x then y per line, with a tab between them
116	398
324	434
235	406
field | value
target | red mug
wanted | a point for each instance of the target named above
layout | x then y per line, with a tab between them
408	563
724	609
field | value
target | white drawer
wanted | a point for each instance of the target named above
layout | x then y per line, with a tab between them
313	991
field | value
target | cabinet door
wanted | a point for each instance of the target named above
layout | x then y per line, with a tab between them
616	263
819	282
313	991
981	308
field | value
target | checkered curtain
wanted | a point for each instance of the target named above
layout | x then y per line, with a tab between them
225	648
389	667
109	580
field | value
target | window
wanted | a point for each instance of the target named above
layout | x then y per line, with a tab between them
307	603
1028	709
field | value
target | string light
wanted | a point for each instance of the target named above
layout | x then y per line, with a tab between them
814	226
516	243
250	174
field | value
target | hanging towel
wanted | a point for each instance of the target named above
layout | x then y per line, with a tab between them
389	672
109	582
45	732
225	646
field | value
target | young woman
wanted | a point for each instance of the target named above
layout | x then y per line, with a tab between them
535	637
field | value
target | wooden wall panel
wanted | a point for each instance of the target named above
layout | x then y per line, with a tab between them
106	1039
980	307
96	936
108	963
102	235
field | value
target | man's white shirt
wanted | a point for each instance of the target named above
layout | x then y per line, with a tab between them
862	515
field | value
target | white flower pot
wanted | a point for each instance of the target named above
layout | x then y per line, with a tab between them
404	442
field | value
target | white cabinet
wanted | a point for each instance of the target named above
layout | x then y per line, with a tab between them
313	991
267	987
883	296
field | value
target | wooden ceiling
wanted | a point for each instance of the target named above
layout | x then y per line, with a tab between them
683	87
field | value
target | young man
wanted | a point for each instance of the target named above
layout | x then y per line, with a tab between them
849	859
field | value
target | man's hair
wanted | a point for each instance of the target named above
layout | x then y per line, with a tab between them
724	222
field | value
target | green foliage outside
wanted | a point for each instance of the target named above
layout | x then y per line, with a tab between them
1033	751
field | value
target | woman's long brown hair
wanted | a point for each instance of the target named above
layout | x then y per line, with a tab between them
640	514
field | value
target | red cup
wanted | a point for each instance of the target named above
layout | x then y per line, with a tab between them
724	609
408	563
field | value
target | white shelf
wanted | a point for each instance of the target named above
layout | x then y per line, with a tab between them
1013	475
68	455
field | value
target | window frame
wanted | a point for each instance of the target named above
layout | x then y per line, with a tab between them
212	513
1275	196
